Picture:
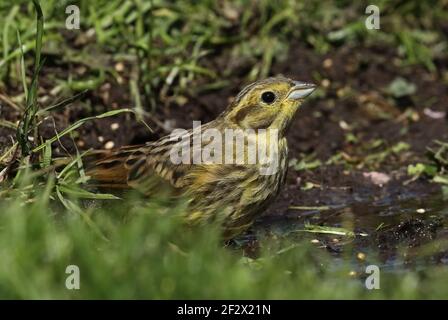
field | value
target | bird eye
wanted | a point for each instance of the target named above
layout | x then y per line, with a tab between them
268	97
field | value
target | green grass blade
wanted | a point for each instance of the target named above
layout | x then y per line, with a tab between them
79	123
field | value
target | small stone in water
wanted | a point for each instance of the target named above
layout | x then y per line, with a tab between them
421	210
315	241
114	126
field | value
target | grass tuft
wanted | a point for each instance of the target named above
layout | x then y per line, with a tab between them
28	121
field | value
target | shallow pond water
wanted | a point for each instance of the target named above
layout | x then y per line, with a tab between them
397	234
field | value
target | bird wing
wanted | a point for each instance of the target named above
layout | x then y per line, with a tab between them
147	168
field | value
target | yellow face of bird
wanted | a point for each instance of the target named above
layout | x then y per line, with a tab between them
269	103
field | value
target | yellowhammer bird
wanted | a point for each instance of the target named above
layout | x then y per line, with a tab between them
229	169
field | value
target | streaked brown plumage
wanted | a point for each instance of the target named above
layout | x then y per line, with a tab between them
234	194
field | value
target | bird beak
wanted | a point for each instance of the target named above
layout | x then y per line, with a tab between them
301	90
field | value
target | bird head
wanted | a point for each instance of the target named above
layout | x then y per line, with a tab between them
268	104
